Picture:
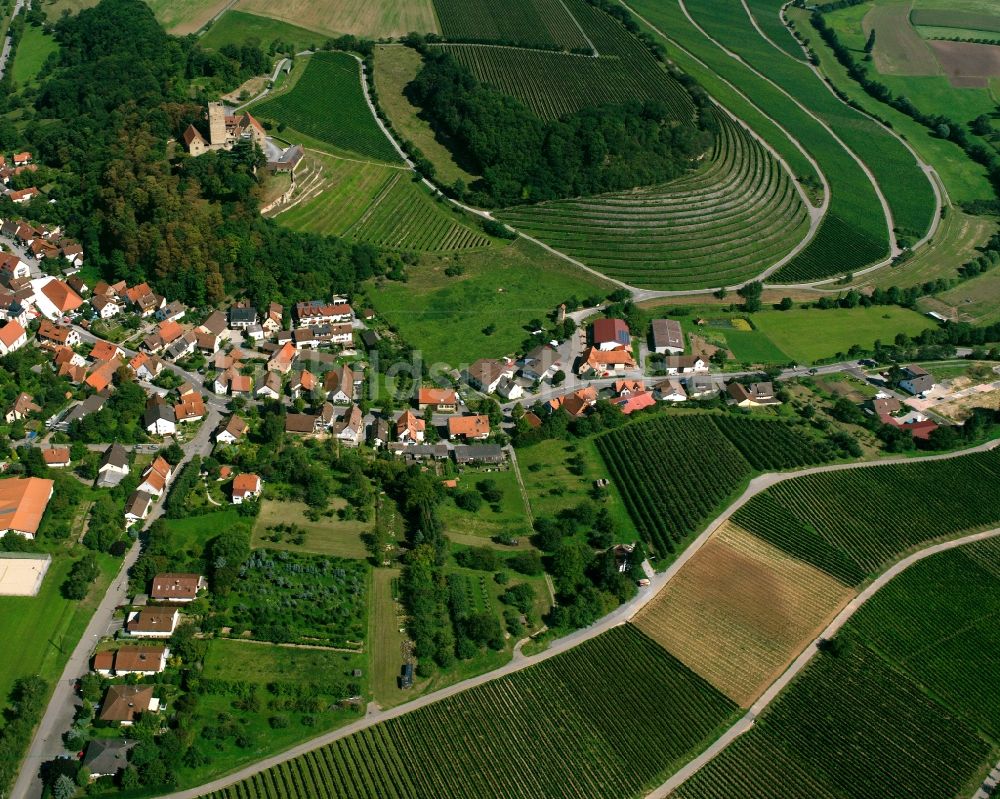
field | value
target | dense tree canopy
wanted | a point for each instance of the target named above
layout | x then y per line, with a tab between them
524	158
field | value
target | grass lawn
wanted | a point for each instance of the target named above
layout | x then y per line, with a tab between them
45	628
752	346
976	300
328	536
389	18
396	66
236	27
193	532
551	487
486	522
35	46
811	335
505	287
386	641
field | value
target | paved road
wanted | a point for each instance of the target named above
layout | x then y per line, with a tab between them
520	661
47	743
267	88
5	52
775	689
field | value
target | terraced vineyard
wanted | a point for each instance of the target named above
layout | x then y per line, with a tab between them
675	471
378	204
539	23
722	225
328	104
559	729
852	522
852	198
894	713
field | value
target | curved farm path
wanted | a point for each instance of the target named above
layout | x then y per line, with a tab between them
930	173
852	607
619	616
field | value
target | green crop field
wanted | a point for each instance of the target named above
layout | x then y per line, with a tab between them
859	233
674	472
239	28
387	18
908	707
852	523
375	203
721	225
562	729
328	104
539	23
795	332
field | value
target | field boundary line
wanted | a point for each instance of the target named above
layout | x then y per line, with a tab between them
355	160
747	721
621	615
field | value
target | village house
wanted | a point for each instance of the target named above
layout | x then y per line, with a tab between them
53	335
145	366
157	477
916	379
113	467
339	385
242	316
12	337
316	312
349	428
182	346
233	431
509	388
123	704
54	298
23	405
302	423
101	377
410	428
541	363
137	507
283	359
439	400
271	323
152	622
246	486
159	418
634	402
56	457
190	409
378	433
668	337
491	454
756	395
127	660
76	283
605	362
703	386
171	312
23	195
22	504
671	390
470	428
176	587
106	757
302	381
13	268
684	364
270	387
240	385
624	388
106	351
486	374
576	404
610	334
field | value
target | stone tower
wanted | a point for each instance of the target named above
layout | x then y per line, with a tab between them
216	124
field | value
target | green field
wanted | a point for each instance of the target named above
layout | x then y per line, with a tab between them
976	300
46	627
811	335
506	287
908	706
487	522
236	27
377	204
721	225
676	472
560	729
328	104
35	46
545	23
853	523
854	232
328	536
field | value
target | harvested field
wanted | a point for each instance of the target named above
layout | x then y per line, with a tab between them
362	18
899	50
21	575
968	65
740	611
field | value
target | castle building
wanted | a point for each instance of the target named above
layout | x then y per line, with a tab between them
224	131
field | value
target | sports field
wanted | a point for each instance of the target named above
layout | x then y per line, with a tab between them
387	18
796	332
22	574
740	610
